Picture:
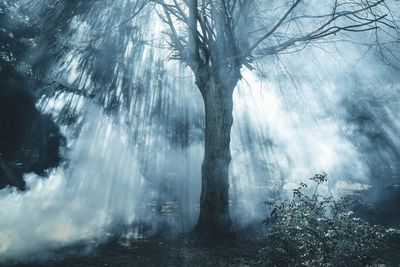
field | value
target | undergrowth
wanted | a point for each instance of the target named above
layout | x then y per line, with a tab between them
314	230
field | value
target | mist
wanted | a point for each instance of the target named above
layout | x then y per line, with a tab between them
134	127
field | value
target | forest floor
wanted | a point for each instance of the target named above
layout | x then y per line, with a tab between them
159	251
182	251
241	248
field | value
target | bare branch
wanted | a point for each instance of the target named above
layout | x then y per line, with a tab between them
270	32
359	19
223	33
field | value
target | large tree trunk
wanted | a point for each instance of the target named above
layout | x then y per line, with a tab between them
214	200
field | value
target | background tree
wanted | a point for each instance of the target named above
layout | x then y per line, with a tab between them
30	141
217	39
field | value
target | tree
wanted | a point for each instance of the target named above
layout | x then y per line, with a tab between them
217	39
30	141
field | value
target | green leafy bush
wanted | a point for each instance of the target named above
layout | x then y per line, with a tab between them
315	230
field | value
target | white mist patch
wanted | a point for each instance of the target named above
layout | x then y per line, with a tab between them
102	183
277	145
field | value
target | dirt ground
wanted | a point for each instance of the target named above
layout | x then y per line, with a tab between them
157	251
240	249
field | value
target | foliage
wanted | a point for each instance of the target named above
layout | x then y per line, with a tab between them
315	230
30	141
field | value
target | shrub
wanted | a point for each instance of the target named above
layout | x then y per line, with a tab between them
315	230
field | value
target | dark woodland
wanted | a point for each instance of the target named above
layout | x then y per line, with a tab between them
199	133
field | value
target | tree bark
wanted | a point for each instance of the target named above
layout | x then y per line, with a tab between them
214	200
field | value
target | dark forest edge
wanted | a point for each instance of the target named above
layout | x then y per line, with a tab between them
30	141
